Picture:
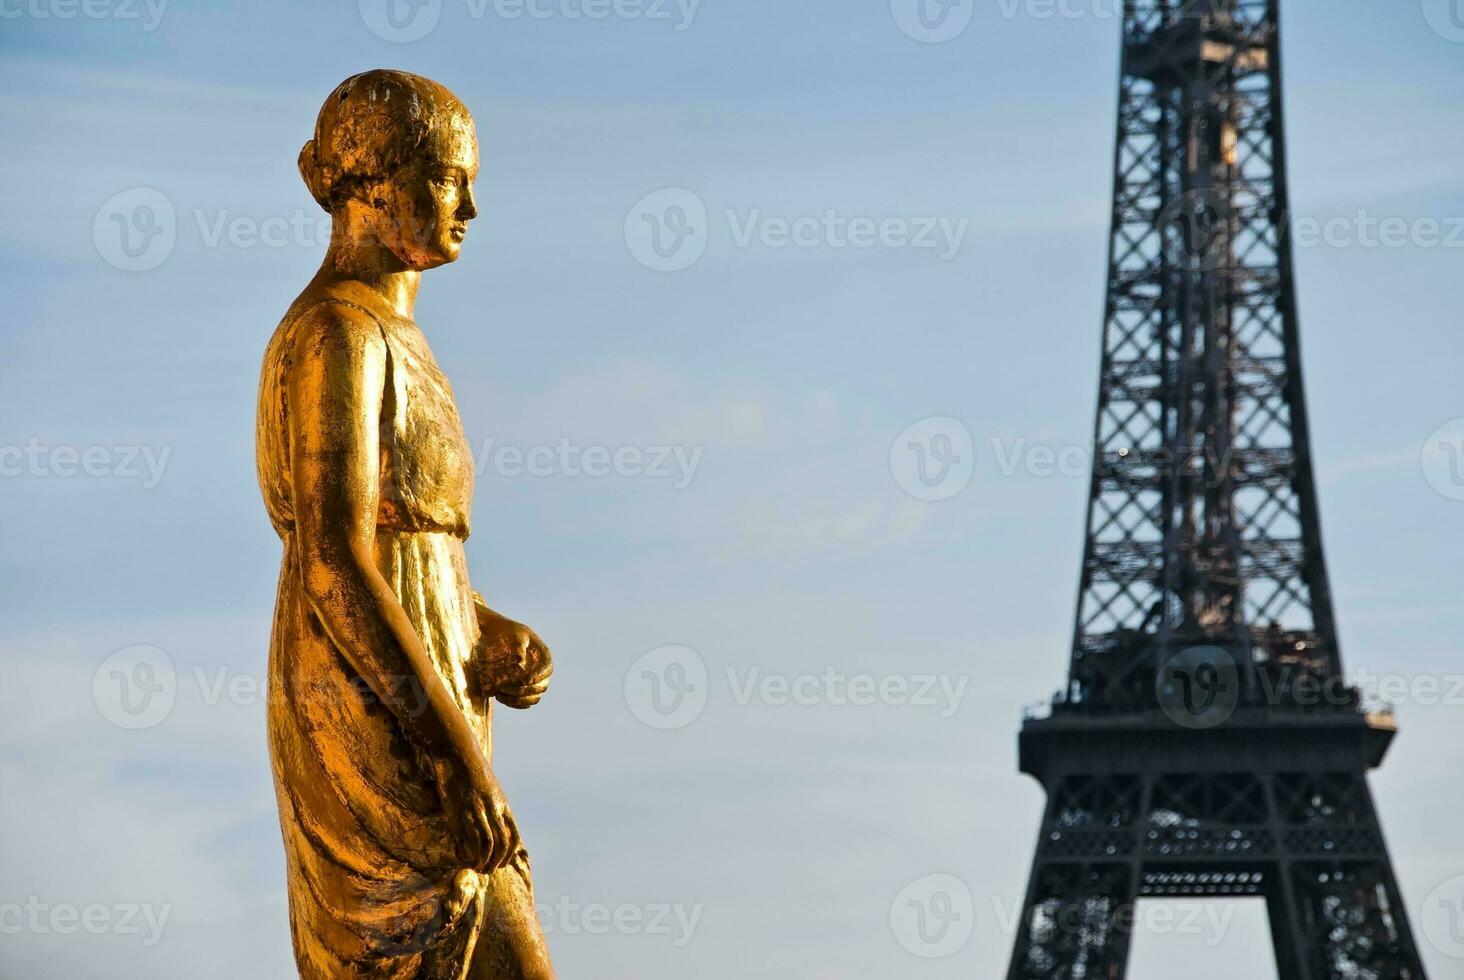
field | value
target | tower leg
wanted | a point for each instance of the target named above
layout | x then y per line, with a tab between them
1343	913
1353	923
1281	903
1076	924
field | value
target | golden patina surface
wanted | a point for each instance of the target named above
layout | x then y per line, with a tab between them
403	857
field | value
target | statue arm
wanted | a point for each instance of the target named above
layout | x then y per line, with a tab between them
336	383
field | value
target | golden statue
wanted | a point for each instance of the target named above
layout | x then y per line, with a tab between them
403	858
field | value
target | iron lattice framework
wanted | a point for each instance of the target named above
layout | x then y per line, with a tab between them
1202	524
1203	534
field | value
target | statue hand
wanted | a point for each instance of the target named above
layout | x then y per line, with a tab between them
512	663
477	807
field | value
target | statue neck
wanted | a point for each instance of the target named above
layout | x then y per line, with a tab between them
368	262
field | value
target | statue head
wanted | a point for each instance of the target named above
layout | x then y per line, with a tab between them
393	159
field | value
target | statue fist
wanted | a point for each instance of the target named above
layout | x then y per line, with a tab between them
513	664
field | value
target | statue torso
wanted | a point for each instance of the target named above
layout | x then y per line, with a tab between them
426	465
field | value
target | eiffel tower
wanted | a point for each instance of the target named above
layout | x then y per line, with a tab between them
1206	745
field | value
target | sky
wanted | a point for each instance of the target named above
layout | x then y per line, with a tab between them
734	256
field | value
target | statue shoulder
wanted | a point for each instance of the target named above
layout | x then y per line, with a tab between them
327	325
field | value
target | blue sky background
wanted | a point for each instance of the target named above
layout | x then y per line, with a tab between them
793	827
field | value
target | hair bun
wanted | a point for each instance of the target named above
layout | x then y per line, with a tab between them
314	174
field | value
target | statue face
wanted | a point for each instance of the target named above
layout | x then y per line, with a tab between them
424	208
